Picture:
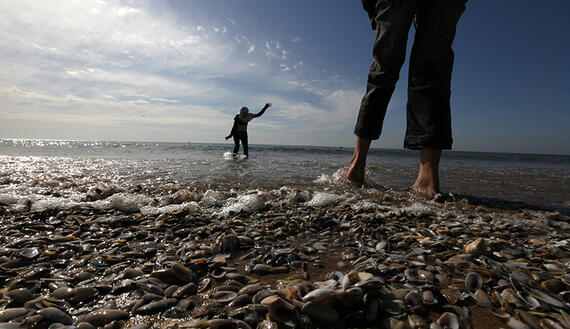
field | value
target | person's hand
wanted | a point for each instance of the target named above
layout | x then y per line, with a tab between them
268	104
228	137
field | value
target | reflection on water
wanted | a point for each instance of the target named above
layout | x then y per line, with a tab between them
70	169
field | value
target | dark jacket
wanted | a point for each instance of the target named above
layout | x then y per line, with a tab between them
239	127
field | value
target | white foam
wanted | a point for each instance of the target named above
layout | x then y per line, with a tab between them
338	177
211	199
322	199
123	202
323	178
49	203
368	205
7	199
230	156
290	196
418	208
173	208
17	203
244	203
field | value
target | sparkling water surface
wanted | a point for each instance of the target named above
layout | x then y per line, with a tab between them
63	172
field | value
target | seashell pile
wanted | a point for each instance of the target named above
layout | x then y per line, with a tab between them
444	266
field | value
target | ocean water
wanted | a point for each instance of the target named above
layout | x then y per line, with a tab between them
161	177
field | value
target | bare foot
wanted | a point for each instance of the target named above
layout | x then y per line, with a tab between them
355	172
427	183
357	165
428	191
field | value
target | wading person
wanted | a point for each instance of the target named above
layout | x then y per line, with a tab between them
431	62
239	129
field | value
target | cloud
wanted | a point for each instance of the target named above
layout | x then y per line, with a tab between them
106	112
338	109
116	64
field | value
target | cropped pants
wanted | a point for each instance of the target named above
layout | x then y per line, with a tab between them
431	63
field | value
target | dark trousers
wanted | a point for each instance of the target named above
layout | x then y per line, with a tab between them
243	138
431	63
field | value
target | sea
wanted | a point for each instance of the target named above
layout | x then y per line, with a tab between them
154	178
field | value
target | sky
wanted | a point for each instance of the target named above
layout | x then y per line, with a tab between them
179	71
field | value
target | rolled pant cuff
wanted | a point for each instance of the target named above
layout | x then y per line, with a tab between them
369	122
418	143
366	134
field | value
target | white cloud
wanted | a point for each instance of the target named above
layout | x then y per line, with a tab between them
338	110
30	106
122	11
114	64
274	50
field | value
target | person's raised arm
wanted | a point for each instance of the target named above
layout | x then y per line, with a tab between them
260	113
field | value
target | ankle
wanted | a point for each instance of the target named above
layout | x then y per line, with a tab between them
357	163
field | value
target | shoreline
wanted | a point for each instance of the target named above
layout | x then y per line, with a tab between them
365	267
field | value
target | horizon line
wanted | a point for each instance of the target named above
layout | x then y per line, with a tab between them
261	144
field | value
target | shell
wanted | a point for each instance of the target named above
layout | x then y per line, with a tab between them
321	313
101	317
476	247
56	315
448	320
283	312
473	281
483	299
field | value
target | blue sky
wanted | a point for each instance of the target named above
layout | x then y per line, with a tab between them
180	70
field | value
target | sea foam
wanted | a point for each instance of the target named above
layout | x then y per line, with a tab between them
173	208
244	203
322	199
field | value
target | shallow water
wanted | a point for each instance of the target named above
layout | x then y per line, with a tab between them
155	177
